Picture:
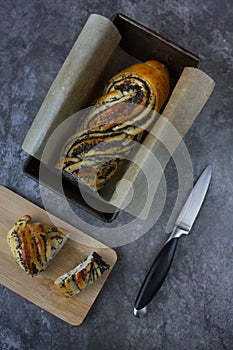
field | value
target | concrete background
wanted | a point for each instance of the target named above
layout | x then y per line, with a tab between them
194	308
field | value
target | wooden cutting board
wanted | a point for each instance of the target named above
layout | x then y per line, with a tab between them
40	289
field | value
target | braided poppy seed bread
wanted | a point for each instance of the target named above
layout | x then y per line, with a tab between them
84	274
128	106
34	245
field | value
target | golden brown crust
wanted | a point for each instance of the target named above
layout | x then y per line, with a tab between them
33	245
156	75
82	275
127	108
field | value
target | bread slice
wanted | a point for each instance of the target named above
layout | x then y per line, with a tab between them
82	275
34	245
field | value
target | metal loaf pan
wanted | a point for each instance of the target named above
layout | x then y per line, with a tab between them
142	44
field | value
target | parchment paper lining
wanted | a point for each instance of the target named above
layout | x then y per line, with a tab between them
75	82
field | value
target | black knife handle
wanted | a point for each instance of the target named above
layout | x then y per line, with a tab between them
156	275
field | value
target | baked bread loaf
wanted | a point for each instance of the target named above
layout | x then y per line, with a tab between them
128	106
34	245
82	275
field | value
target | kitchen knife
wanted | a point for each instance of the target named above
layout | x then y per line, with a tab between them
162	263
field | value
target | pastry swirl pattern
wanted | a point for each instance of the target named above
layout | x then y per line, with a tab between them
129	105
33	245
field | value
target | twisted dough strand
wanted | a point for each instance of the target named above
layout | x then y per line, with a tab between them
129	106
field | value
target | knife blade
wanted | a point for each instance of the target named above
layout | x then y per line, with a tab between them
162	263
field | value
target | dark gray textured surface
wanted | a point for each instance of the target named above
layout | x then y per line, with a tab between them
194	308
